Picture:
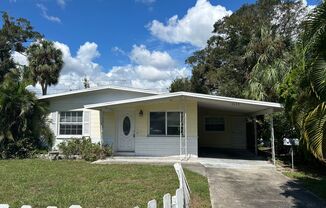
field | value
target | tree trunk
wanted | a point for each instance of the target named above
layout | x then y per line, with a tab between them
44	88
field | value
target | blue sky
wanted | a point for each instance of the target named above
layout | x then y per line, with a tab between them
136	40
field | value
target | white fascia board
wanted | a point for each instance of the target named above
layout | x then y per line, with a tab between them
234	100
190	95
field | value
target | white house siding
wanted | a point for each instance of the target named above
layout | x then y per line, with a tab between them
158	145
109	128
76	102
164	146
234	136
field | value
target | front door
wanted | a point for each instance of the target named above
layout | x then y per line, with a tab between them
126	135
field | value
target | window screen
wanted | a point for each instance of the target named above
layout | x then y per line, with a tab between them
214	124
173	123
157	123
165	123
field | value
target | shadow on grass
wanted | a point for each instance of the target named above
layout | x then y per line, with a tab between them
303	198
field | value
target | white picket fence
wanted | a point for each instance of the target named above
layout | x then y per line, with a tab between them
181	199
29	206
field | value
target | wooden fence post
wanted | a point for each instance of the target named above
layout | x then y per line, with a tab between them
152	204
167	201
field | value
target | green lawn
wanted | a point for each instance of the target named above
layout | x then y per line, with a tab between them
41	183
314	182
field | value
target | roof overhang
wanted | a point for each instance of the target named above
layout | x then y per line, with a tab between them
93	89
245	106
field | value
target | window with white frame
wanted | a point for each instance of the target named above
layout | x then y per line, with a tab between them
165	123
214	124
71	123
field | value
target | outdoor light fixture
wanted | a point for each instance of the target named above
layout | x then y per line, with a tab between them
141	113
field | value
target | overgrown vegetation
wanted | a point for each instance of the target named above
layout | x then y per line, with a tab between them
24	127
85	149
41	183
271	50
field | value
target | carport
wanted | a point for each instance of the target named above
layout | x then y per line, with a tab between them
228	126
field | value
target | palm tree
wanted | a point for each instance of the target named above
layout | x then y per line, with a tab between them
45	64
23	118
267	54
314	123
304	89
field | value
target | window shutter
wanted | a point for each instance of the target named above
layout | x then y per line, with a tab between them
53	124
86	126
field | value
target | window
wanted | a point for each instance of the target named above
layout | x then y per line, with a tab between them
71	123
126	126
157	123
214	124
165	123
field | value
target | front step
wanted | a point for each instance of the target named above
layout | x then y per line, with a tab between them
124	153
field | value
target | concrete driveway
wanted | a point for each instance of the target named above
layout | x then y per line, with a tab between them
252	183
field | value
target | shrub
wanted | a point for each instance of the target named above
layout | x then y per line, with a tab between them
85	149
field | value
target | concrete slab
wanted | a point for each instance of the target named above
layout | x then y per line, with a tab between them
234	163
147	160
257	187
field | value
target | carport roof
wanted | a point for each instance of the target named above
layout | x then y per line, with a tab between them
252	107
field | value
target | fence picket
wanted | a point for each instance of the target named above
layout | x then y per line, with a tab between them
152	204
75	206
179	196
4	205
167	201
26	206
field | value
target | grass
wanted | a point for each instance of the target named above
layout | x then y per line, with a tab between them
314	182
41	183
311	174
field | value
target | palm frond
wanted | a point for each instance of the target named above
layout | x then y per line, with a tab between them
318	79
315	130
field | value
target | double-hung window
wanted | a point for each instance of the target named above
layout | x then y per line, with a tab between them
165	123
71	123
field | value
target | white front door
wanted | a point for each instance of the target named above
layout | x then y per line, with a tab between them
126	135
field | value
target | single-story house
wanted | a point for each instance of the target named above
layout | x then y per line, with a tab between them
148	123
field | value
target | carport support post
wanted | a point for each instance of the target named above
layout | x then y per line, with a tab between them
180	138
255	133
272	138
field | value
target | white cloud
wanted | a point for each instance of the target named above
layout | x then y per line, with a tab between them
147	69
44	13
142	56
87	52
194	28
147	2
19	58
61	3
118	50
309	7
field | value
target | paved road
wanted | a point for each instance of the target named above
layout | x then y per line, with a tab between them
252	183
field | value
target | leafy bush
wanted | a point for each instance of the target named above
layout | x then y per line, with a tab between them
85	149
